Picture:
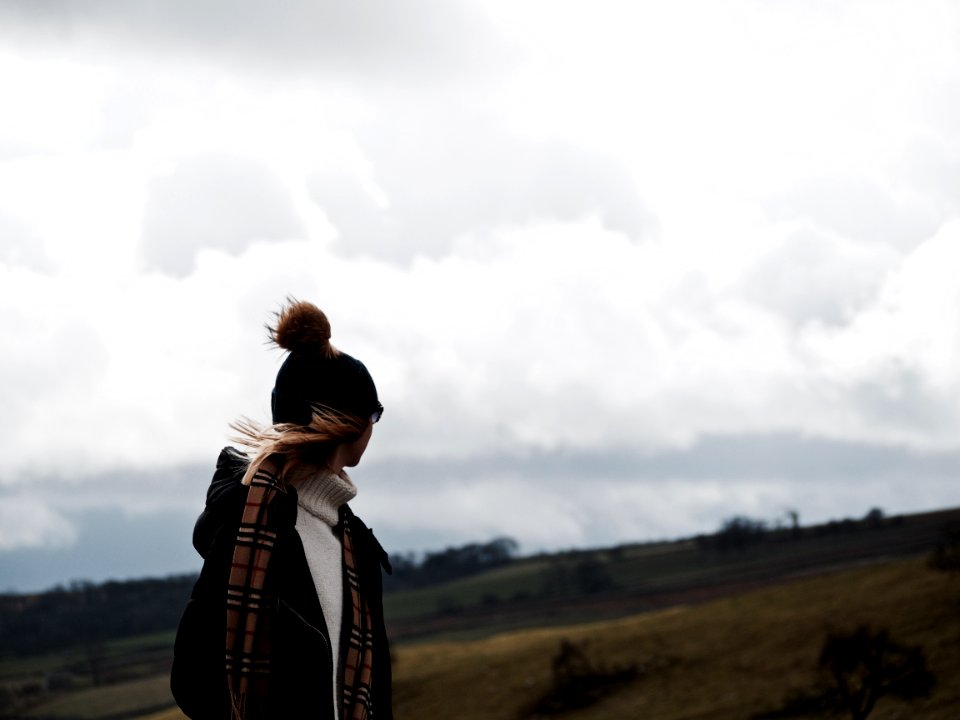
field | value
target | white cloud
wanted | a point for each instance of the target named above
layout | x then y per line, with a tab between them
896	362
217	202
53	102
445	176
812	276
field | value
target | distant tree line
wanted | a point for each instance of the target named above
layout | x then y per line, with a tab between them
740	532
449	564
85	612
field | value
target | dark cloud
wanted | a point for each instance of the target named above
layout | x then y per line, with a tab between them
773	458
419	504
214	201
400	42
569	498
110	545
141	491
449	175
565	498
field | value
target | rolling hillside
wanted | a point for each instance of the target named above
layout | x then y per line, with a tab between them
728	659
707	632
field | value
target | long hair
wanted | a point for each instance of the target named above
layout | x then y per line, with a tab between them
313	443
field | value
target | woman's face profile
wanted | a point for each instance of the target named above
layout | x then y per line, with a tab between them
351	452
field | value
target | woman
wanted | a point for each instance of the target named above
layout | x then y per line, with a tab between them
286	619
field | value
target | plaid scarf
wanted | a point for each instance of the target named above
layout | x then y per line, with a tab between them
249	611
358	656
248	599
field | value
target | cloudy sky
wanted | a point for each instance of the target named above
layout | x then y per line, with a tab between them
620	270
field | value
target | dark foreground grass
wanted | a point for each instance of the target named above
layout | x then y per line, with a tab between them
129	699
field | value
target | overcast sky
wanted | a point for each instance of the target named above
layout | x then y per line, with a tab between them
620	270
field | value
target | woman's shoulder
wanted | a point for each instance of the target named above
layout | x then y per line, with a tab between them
225	498
231	465
368	541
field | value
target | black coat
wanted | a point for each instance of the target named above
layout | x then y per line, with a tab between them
301	647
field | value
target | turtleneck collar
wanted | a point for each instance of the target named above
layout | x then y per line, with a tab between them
320	491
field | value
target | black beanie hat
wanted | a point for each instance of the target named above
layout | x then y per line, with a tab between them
315	372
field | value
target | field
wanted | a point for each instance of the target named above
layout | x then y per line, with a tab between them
728	658
706	635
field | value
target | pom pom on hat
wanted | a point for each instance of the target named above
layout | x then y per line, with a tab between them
302	327
315	372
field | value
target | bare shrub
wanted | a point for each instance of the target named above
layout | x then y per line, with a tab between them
578	681
857	669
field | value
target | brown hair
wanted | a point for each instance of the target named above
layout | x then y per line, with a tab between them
313	443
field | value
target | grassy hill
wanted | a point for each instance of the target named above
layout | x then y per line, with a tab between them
613	582
710	633
728	658
725	659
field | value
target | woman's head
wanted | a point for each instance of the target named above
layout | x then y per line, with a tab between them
324	401
316	374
